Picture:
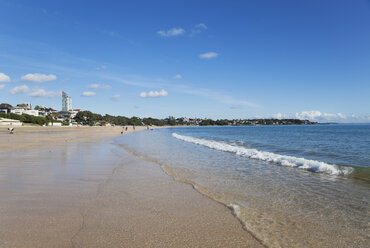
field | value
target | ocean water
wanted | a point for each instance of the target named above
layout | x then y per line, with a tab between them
290	186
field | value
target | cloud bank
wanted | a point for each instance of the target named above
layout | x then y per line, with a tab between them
39	78
178	76
153	94
209	55
2	86
171	32
316	115
278	116
4	78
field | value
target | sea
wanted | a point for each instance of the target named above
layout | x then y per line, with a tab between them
289	186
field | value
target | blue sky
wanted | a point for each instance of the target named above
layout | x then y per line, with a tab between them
217	59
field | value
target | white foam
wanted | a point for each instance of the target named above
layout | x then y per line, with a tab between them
235	208
302	163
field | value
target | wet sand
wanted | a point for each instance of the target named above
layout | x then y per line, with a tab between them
73	187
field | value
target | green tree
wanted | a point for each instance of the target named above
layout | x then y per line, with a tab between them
171	121
6	106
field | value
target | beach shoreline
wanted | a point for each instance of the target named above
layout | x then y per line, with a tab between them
73	187
282	206
36	137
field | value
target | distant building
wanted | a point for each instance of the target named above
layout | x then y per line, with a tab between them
10	122
44	111
74	112
26	105
58	124
24	108
66	102
4	110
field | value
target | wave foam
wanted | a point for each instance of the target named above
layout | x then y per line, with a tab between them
285	160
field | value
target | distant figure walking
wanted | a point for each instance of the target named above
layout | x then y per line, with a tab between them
11	130
126	128
133	127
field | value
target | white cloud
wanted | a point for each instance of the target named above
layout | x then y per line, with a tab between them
153	94
115	97
99	86
278	116
37	77
352	118
171	32
93	86
43	93
178	76
198	29
88	93
2	86
201	26
315	115
19	89
208	55
4	78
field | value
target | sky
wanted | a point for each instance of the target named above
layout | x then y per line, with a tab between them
205	59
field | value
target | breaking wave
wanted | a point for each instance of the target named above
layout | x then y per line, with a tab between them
285	160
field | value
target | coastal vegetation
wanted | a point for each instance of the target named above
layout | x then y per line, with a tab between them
89	118
39	120
93	119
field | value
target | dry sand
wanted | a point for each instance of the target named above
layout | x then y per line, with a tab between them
73	187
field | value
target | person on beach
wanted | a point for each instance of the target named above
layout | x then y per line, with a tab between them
133	127
126	129
11	130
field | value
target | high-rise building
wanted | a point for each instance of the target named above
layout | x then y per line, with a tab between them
66	102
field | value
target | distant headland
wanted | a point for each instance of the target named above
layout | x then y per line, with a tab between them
48	116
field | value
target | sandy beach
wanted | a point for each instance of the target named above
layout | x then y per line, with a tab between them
74	187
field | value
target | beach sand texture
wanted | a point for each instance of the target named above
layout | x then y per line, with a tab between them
73	187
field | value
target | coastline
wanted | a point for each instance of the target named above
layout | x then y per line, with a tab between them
266	198
71	187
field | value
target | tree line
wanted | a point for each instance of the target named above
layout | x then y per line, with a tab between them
39	120
89	118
